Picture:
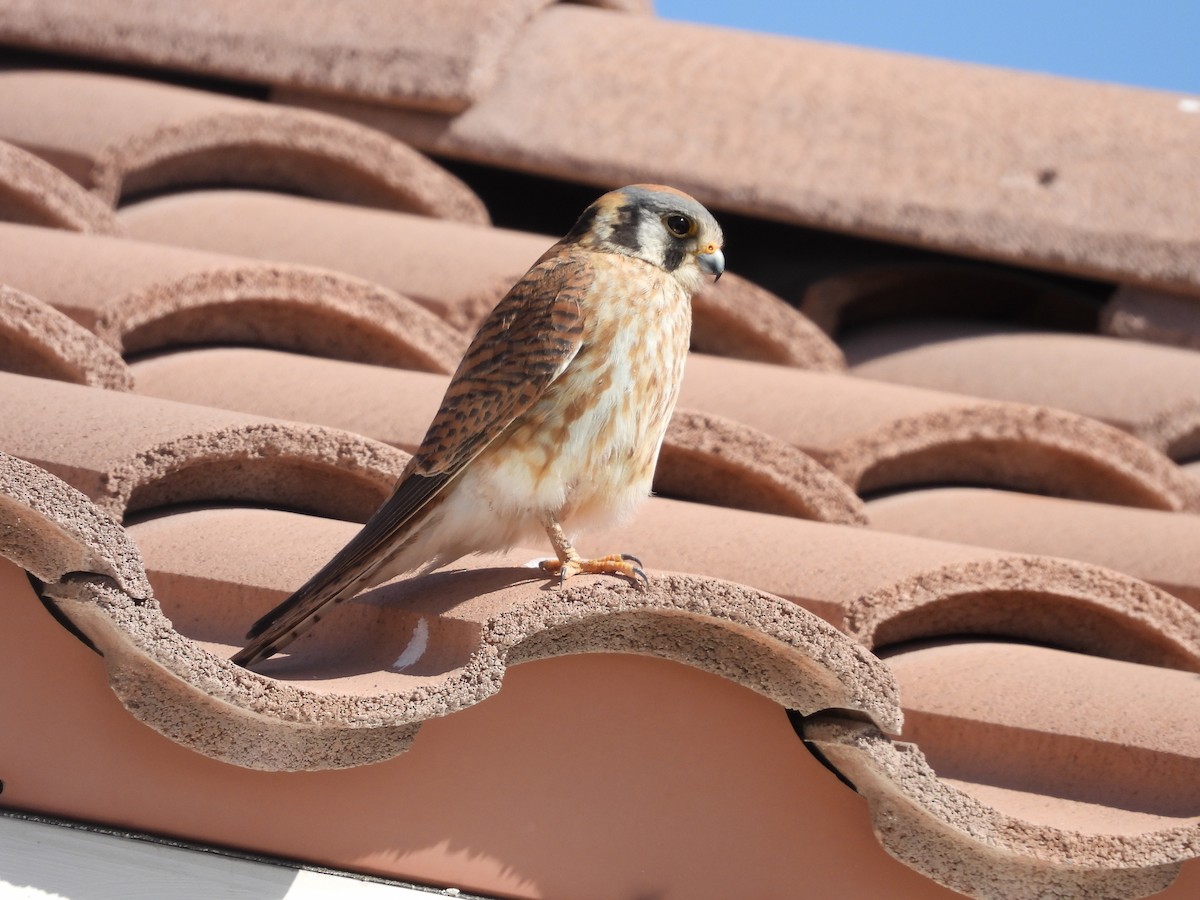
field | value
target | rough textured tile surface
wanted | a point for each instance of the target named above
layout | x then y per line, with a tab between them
434	53
1121	737
34	192
876	436
1046	171
704	457
141	453
141	297
983	852
539	751
122	136
458	271
38	340
1154	316
1151	545
1151	392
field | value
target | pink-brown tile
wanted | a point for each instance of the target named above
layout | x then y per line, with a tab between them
141	297
33	192
123	136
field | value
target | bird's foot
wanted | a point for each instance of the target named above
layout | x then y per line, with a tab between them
613	564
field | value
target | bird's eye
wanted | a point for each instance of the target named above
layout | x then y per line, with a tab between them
680	226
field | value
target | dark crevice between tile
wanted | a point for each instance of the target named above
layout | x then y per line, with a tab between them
28	58
58	615
791	259
188	186
798	722
143	515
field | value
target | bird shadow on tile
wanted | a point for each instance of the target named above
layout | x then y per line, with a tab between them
423	626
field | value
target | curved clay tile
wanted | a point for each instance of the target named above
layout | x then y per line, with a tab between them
875	435
143	297
1063	603
704	458
916	290
1150	391
52	531
713	460
390	405
33	192
978	850
1043	721
130	453
883	589
38	340
456	270
1156	316
440	643
1155	546
122	137
735	317
1023	447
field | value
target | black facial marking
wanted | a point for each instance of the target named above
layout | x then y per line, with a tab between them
583	224
673	258
625	228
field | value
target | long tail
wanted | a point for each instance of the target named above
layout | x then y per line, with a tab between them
298	613
377	552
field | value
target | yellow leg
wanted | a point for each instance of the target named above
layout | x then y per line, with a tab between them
570	563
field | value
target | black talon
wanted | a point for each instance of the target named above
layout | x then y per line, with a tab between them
639	573
629	557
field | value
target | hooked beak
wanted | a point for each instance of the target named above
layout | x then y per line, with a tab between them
712	262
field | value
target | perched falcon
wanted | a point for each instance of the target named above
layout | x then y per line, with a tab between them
556	413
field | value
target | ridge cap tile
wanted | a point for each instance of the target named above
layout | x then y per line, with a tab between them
434	54
1009	166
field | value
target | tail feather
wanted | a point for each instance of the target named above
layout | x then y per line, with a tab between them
383	548
293	617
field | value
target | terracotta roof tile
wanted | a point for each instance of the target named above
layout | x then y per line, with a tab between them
190	504
440	54
456	270
877	436
51	530
979	850
1154	316
1151	545
536	747
1050	172
122	136
141	453
477	621
704	457
36	193
1151	392
36	339
968	709
141	297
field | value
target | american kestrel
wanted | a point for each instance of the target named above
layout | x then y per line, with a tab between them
556	413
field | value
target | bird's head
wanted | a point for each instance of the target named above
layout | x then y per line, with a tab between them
658	224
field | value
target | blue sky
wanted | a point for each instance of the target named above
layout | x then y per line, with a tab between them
1149	43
